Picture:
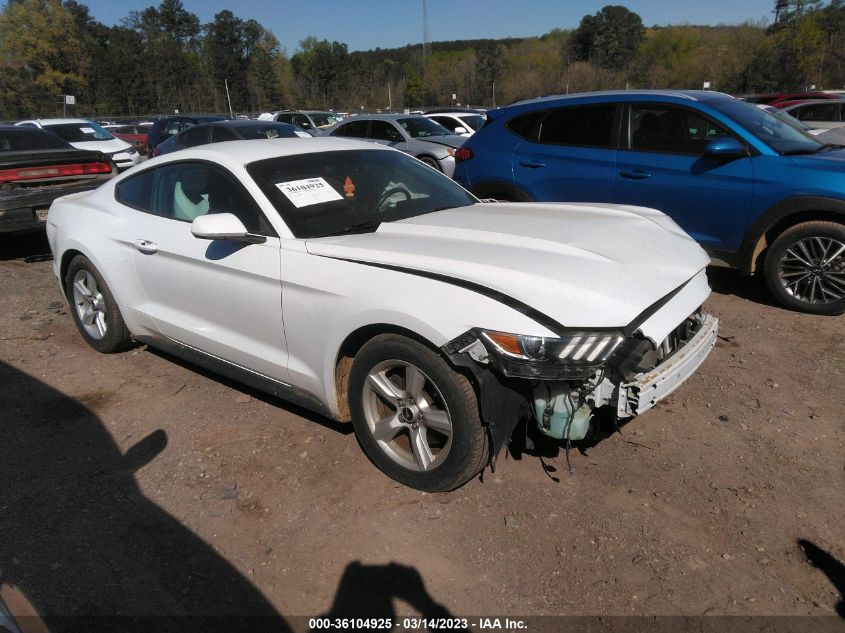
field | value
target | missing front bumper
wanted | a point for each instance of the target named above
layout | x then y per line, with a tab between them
647	389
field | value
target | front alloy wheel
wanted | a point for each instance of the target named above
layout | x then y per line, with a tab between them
415	417
805	268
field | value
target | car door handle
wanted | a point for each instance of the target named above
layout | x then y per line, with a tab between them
145	246
637	174
532	164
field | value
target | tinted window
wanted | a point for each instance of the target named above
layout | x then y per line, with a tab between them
527	125
262	131
590	126
817	112
137	191
194	136
472	121
285	118
358	129
667	129
448	122
302	121
384	131
220	134
339	191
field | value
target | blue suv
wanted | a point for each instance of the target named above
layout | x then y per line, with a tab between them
757	193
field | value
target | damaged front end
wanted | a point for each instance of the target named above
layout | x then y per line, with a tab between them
559	382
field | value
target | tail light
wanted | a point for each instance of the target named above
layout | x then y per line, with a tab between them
462	154
53	171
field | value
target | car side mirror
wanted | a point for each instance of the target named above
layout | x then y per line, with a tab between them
460	130
724	147
223	226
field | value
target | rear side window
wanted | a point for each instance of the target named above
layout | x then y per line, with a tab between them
588	126
195	136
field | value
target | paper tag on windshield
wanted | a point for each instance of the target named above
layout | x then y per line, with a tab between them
304	193
87	130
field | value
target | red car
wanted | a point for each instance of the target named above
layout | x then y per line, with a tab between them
776	98
135	133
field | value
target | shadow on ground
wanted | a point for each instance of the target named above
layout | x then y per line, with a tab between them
84	547
33	244
370	592
726	281
827	564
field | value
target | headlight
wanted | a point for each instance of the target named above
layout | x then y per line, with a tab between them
576	355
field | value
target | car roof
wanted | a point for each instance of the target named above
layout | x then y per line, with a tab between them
246	123
246	152
383	117
692	95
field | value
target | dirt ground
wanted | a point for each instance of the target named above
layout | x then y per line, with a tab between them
137	484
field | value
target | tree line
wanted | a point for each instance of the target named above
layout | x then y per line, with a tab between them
164	58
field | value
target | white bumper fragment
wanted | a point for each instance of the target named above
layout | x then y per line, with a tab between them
642	393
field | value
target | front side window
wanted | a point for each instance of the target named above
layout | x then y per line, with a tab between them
323	119
669	129
331	193
186	190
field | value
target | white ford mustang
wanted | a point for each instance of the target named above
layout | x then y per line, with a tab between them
358	282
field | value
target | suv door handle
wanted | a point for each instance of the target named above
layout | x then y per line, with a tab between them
532	164
145	246
637	174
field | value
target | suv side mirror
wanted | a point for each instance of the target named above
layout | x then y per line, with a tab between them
223	226
724	147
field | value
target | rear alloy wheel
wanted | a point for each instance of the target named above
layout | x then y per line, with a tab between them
94	309
805	268
415	417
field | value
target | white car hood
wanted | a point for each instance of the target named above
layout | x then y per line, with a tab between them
107	147
579	264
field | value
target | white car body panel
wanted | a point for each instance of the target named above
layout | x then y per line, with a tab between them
283	308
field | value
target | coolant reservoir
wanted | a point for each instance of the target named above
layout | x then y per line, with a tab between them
561	420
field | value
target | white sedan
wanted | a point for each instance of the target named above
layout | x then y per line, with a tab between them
356	281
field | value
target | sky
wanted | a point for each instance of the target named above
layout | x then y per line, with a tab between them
368	24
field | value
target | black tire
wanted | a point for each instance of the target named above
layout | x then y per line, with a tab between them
110	334
444	392
431	162
801	272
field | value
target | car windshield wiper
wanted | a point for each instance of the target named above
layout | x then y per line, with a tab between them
360	227
814	150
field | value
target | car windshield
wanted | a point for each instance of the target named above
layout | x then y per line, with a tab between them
331	193
323	119
79	132
783	137
422	127
18	139
475	121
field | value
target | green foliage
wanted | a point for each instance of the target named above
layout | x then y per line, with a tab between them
162	58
